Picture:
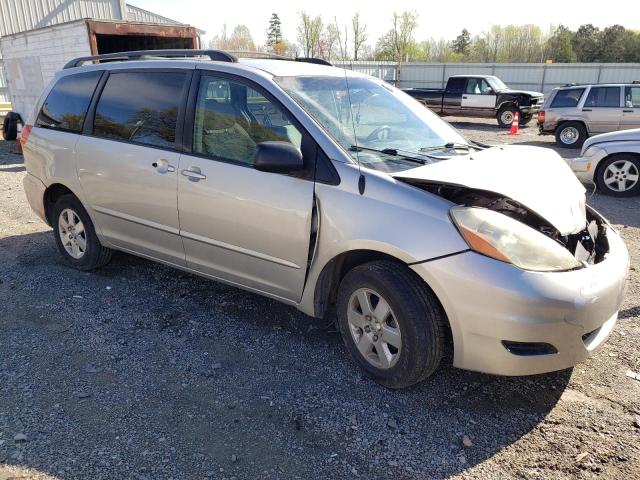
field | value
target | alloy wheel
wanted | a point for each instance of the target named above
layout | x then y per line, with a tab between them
72	233
621	175
374	328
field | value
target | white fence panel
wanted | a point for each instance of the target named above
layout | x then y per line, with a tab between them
539	77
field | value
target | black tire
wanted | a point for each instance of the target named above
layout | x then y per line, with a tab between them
419	316
505	115
10	127
525	119
95	255
571	135
603	173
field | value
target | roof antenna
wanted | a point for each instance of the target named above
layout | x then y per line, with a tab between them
361	177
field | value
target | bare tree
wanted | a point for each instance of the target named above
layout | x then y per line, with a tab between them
342	42
359	35
309	34
402	39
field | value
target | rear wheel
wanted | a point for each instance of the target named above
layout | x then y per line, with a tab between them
391	323
619	175
571	135
506	115
75	235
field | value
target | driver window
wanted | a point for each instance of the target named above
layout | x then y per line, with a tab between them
478	86
231	118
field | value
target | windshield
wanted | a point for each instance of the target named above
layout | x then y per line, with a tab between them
496	83
383	128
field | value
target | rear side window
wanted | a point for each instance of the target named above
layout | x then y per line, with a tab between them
140	107
632	97
603	97
456	84
567	98
67	103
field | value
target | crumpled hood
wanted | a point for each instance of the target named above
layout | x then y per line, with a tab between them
536	177
526	92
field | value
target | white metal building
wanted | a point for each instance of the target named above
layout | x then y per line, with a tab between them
37	37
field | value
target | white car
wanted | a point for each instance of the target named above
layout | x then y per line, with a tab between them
612	162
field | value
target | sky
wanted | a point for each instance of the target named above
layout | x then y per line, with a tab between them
434	18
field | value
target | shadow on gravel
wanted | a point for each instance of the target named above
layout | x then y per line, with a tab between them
141	371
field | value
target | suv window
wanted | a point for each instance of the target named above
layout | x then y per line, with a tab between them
567	98
140	107
478	86
632	97
67	103
603	97
231	118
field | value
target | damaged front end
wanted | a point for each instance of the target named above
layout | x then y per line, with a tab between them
588	246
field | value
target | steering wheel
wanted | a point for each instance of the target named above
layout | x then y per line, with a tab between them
380	133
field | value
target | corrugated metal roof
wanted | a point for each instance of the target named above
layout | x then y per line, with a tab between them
137	14
21	15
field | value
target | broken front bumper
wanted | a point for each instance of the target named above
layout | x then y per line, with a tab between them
503	319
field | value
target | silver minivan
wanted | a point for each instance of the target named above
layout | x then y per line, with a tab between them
335	193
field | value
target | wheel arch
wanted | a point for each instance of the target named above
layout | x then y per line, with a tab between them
51	195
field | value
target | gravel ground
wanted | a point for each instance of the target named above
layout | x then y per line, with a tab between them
140	371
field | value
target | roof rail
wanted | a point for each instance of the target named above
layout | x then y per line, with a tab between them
216	55
252	54
275	56
318	61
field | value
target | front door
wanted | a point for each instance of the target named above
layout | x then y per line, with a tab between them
601	110
239	224
128	163
478	97
631	110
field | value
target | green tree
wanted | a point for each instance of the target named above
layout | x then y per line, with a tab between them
462	43
614	41
241	39
586	43
399	43
559	47
274	32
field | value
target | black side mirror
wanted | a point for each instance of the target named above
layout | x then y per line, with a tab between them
277	157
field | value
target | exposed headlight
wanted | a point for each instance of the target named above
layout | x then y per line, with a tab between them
498	236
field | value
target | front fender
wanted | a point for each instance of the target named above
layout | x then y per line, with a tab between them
391	218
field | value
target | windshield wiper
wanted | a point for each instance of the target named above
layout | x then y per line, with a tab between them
390	151
448	146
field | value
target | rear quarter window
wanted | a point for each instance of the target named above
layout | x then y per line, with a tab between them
66	105
567	98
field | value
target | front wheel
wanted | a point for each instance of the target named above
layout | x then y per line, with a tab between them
505	116
75	235
391	323
619	175
524	119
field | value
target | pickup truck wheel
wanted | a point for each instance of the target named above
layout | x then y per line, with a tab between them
524	119
505	116
391	323
571	134
75	235
619	175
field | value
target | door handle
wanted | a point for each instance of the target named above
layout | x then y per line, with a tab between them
194	174
586	110
163	166
627	111
464	97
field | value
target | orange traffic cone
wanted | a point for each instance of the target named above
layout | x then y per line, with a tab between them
515	124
